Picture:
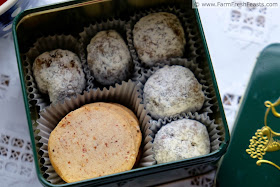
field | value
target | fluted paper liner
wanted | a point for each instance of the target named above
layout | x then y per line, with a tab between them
206	108
42	45
215	131
125	94
90	31
193	47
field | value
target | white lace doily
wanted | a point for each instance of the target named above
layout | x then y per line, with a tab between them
231	97
16	158
248	23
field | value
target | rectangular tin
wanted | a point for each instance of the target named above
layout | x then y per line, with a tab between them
70	18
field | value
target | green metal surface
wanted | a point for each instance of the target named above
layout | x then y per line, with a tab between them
238	168
22	35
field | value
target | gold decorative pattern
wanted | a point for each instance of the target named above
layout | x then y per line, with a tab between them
265	138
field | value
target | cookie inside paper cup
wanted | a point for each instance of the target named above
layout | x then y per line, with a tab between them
187	41
158	36
59	74
207	141
54	62
172	90
108	58
181	139
107	55
125	94
168	95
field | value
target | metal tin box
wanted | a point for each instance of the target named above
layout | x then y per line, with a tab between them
70	18
244	164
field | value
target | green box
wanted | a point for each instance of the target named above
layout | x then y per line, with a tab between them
70	18
237	165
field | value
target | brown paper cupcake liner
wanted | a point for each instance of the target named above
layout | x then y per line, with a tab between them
215	131
42	45
90	31
206	108
193	46
125	94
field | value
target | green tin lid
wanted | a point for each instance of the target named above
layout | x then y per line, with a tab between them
239	167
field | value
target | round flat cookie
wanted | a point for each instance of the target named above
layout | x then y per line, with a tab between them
129	116
90	142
